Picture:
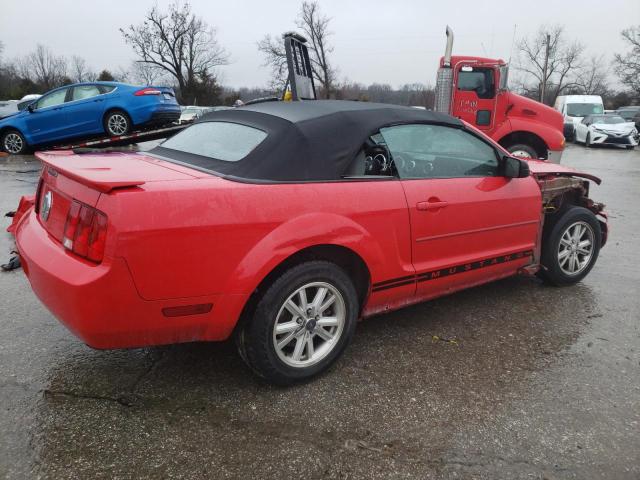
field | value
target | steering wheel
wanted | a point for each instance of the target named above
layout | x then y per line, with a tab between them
377	161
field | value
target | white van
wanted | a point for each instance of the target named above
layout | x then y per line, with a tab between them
574	108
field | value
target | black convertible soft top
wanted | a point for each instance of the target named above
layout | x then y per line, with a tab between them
307	140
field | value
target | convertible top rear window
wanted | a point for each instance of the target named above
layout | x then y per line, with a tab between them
225	141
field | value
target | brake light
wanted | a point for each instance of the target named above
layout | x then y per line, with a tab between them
147	91
85	231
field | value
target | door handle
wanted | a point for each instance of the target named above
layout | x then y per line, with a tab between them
431	204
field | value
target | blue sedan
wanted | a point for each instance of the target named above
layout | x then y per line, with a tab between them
87	109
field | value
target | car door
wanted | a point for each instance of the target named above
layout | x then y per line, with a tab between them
582	128
85	110
47	118
469	223
475	96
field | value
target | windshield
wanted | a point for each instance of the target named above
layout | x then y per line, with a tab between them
584	109
609	119
628	114
218	140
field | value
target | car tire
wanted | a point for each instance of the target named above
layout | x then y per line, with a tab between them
285	347
570	246
14	143
630	147
117	123
522	150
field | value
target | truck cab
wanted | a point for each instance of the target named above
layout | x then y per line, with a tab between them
474	89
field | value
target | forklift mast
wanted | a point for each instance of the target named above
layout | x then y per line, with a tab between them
300	73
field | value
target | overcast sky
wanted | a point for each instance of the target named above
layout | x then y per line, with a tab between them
395	41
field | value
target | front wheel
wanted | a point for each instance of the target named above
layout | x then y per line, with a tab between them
523	151
301	324
14	143
117	123
630	147
570	246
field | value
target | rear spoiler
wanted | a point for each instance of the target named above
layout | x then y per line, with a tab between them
78	168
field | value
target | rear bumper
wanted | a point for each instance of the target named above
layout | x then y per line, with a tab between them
163	117
100	304
154	114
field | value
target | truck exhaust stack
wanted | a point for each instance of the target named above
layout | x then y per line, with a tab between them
444	79
449	48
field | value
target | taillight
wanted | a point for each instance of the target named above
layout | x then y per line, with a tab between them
85	231
147	91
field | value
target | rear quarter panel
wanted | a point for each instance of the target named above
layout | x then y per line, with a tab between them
140	108
214	236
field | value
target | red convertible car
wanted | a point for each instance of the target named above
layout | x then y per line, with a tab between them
284	223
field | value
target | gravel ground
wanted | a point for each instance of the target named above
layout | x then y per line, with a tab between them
542	383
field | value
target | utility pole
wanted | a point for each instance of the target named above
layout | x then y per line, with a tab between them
543	86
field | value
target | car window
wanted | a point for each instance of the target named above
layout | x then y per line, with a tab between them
583	109
479	80
220	140
54	98
106	88
85	91
436	151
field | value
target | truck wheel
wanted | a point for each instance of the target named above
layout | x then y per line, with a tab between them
13	142
570	246
301	324
117	123
523	151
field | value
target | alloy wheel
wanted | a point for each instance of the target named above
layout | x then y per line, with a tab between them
521	154
117	124
576	248
309	324
13	143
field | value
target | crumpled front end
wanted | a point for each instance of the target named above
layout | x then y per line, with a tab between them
560	190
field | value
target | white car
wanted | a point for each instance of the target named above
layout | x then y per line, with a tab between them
574	108
606	130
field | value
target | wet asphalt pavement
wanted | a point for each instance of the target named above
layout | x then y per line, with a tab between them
541	382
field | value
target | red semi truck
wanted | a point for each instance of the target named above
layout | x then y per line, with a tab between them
474	89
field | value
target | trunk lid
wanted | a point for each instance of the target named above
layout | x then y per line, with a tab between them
167	95
67	177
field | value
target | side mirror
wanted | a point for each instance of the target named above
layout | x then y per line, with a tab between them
515	168
31	107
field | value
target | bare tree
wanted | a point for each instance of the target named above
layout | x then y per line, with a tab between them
563	63
627	66
275	57
315	28
45	68
146	73
80	72
592	79
180	44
